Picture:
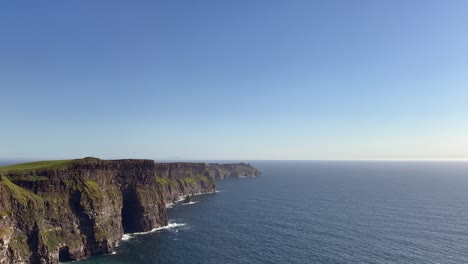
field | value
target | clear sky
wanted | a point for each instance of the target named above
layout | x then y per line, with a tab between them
245	79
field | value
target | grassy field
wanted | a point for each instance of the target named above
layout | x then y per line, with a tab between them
35	165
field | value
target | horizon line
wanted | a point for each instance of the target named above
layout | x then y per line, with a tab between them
188	160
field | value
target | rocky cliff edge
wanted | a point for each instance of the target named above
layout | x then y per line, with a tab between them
68	210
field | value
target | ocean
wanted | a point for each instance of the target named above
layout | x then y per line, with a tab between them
317	212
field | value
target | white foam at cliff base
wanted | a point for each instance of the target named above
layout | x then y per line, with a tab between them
189	203
126	237
169	226
182	197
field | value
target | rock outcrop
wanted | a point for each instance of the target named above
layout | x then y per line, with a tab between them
187	199
70	210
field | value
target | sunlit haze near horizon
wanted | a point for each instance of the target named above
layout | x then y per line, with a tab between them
234	80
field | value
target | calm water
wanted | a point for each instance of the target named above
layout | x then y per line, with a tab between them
318	212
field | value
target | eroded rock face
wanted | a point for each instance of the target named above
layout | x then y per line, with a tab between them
83	207
180	179
77	211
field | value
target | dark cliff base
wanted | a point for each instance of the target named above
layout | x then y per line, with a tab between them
68	210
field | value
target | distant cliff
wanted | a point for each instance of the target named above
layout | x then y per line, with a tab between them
184	178
180	179
68	210
232	170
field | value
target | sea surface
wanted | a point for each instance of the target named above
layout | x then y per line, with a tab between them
317	212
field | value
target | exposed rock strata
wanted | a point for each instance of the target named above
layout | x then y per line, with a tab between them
84	207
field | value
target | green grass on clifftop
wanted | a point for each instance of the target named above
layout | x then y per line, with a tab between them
36	165
20	194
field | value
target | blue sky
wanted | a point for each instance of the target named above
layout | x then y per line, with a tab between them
242	79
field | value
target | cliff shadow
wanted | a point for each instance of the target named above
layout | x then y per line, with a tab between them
132	212
64	255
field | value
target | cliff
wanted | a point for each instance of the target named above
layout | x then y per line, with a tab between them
183	178
180	179
232	170
68	210
76	209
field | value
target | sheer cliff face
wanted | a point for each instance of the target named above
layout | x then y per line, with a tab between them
232	170
79	210
180	179
82	208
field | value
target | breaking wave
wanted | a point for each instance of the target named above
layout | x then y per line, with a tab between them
126	237
189	203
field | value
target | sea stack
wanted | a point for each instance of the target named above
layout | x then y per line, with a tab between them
187	199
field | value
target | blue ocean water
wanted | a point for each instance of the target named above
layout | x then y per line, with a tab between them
318	212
